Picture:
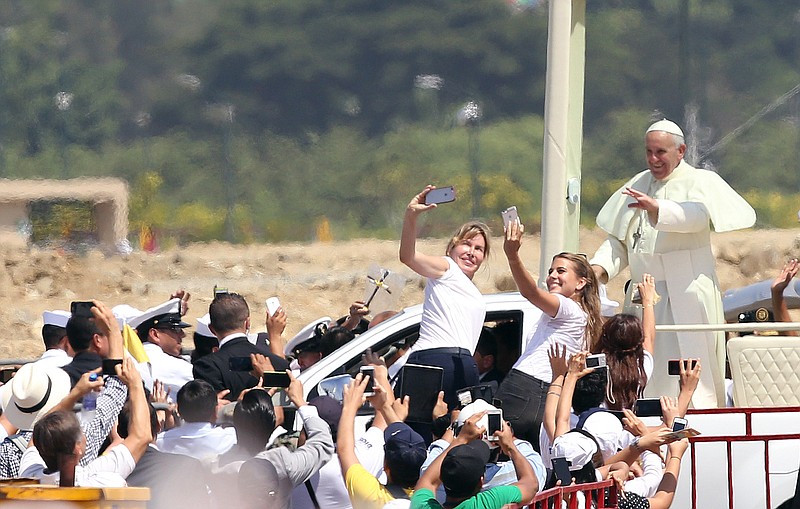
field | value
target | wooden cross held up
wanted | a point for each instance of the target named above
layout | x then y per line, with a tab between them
380	284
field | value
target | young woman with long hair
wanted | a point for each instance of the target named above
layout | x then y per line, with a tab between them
570	317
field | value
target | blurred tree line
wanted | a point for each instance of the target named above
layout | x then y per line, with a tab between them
253	120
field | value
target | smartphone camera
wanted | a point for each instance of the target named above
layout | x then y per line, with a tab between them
679	423
596	361
494	422
370	372
674	366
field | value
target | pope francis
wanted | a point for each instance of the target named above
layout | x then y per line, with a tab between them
660	223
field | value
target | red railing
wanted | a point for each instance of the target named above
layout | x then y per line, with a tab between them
603	494
730	439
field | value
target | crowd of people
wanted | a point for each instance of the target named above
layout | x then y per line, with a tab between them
206	430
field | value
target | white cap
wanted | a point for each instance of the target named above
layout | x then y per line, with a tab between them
668	126
58	318
577	448
167	312
606	428
304	335
476	407
202	326
125	313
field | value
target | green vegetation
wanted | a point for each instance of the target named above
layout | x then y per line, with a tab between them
253	121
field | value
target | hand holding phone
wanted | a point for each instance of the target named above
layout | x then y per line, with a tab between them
370	372
561	469
272	305
648	407
674	366
509	216
494	422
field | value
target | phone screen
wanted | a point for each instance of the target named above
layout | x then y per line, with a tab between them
369	371
81	308
494	423
422	385
275	379
240	364
674	366
648	407
678	424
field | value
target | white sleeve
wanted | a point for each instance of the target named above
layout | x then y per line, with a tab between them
31	464
612	255
369	450
647	485
684	217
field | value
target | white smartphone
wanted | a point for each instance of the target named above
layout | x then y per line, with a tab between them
494	422
272	305
441	195
509	215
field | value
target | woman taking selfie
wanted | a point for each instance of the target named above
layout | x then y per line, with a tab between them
453	309
570	318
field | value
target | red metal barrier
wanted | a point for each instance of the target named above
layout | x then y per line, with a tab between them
729	439
603	493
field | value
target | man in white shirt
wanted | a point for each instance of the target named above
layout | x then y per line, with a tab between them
58	351
161	330
198	437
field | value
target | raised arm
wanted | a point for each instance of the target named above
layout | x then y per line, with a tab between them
424	265
780	283
139	431
539	297
647	289
346	440
577	369
558	364
527	482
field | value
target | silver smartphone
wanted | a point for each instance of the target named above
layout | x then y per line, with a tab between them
509	215
440	195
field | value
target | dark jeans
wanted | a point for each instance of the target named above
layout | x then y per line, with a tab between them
523	398
459	371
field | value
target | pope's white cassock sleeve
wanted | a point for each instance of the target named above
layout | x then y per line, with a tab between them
676	250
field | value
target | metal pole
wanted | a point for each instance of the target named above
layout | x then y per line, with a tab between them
563	128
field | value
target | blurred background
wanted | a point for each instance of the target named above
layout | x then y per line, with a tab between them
282	120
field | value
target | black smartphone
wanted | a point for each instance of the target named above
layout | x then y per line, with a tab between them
82	308
561	469
674	366
289	413
679	423
6	374
240	364
422	385
647	407
274	378
370	372
441	195
494	422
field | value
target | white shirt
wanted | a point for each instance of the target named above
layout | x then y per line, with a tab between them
173	372
452	313
55	357
567	328
201	440
107	471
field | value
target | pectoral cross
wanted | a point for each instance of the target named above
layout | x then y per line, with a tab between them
637	235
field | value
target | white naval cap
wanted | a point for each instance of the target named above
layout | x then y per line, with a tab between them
167	313
202	326
668	126
308	333
58	318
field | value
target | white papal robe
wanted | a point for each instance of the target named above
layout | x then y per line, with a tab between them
676	250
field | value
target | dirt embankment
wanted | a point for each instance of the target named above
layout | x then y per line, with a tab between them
312	280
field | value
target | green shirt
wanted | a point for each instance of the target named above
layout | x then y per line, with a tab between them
494	498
